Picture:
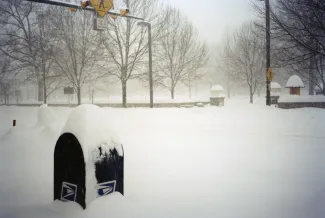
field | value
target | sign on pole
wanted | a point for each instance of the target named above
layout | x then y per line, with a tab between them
99	23
68	91
270	74
102	6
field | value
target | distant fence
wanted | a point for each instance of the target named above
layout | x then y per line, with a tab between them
119	105
290	105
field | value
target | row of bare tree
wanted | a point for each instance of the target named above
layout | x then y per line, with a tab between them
297	45
243	58
55	47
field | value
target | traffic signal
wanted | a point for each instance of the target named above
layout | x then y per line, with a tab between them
113	16
72	10
84	4
124	12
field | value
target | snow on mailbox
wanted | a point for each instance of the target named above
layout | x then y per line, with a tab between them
88	158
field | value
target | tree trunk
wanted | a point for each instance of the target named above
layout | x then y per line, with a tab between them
40	95
228	86
124	93
190	91
251	94
44	89
259	92
172	93
79	95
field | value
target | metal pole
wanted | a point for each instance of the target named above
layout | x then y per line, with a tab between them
268	48
150	65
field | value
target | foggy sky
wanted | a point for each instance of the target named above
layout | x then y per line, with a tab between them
212	17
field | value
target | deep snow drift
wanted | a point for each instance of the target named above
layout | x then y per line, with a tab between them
238	161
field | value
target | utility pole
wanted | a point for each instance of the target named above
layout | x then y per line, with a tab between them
268	50
147	24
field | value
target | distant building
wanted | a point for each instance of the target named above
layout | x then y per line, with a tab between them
295	84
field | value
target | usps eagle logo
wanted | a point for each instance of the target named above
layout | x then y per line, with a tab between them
68	192
105	188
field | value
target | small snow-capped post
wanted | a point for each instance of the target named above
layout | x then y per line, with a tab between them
14	123
217	97
88	158
275	92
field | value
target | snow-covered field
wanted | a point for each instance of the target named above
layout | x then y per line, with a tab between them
239	161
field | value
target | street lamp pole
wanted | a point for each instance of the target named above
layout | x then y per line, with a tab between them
147	24
268	50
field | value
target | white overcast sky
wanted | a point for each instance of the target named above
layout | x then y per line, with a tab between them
212	17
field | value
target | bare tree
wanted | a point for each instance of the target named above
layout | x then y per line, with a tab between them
126	43
243	54
4	71
79	48
180	55
298	27
27	38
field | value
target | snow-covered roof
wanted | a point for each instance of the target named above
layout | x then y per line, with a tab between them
319	88
217	88
295	81
91	126
275	85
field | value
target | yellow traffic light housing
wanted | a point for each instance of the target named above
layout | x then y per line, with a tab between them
84	4
72	10
124	12
113	16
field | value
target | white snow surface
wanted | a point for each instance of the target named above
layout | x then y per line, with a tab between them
275	85
92	127
302	98
46	116
237	161
216	88
295	81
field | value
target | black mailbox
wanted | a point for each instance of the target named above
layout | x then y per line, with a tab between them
88	158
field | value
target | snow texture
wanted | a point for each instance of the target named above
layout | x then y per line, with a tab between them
302	98
46	116
217	91
294	82
216	88
238	161
275	85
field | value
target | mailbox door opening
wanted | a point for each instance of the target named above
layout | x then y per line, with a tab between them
69	170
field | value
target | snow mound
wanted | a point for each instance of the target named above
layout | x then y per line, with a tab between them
295	81
46	116
216	91
90	125
275	85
